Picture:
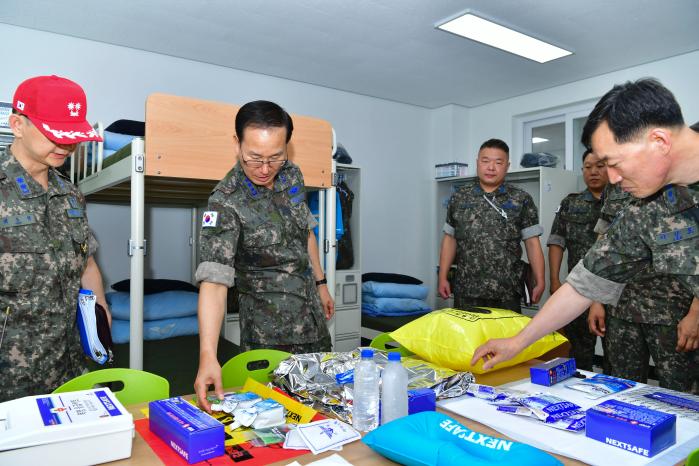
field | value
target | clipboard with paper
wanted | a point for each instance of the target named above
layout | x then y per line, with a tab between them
95	334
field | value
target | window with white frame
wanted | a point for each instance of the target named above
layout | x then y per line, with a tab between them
555	132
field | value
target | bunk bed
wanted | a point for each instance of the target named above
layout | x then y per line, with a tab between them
188	147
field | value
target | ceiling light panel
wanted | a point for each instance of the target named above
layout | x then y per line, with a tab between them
481	30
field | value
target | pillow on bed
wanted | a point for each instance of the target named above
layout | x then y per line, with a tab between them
390	278
115	141
396	304
156	329
133	127
394	290
165	305
157	285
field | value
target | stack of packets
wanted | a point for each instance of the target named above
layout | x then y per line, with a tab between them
601	385
258	416
320	436
549	409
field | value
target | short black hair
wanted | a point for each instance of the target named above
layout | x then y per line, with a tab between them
496	144
262	114
695	127
632	107
587	152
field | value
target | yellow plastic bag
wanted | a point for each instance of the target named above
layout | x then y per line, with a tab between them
449	337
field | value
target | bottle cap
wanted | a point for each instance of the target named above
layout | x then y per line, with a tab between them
367	353
393	356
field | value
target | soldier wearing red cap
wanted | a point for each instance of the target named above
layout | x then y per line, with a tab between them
46	246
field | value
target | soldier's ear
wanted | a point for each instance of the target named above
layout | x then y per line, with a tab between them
17	125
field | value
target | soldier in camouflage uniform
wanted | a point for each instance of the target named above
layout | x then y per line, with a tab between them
573	229
258	232
638	129
647	320
486	221
46	246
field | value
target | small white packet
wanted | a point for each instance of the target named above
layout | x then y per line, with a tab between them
266	413
233	401
327	434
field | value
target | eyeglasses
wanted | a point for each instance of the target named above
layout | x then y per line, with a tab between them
255	163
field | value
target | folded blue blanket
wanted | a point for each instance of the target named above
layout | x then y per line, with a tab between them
156	329
394	290
157	306
396	304
375	311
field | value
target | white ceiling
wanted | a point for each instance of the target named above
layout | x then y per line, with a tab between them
388	49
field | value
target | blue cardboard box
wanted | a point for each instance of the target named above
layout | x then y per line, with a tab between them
421	399
553	371
633	428
192	433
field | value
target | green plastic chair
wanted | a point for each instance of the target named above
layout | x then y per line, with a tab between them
139	386
258	364
385	342
693	458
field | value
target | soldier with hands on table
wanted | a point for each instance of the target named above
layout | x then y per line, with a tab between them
257	232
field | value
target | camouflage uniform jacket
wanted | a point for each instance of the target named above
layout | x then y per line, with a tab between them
44	245
648	298
260	238
655	235
574	223
488	237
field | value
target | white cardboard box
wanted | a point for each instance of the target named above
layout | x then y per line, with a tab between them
72	429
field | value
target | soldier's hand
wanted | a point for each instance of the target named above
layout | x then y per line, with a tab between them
595	320
537	292
209	374
444	288
688	333
327	301
496	351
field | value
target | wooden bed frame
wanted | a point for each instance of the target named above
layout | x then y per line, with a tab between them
189	148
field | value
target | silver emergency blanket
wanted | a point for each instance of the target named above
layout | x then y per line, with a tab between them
318	379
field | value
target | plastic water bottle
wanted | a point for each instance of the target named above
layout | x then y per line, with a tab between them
394	389
365	406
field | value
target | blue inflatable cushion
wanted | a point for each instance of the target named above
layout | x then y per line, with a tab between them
435	439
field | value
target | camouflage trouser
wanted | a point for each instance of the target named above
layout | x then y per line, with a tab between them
582	342
629	346
462	302
320	346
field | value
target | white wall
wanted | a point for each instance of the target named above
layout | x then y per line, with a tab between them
679	74
390	141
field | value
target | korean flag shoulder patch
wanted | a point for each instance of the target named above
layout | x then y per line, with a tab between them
209	219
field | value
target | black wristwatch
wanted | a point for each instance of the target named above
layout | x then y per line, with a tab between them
324	281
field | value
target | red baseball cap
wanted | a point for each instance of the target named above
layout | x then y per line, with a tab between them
57	107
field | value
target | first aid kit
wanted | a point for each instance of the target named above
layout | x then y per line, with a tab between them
65	429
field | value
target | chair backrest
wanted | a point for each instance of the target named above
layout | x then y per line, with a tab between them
258	364
384	342
139	386
693	458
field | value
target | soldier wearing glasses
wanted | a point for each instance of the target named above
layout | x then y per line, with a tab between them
258	232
